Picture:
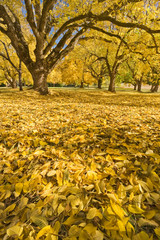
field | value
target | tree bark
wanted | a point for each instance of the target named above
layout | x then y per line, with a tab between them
111	87
155	87
82	84
40	82
135	86
100	83
139	85
12	81
152	86
13	84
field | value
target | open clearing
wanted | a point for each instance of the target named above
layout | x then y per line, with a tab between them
79	164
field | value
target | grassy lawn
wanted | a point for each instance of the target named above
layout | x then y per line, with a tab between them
79	164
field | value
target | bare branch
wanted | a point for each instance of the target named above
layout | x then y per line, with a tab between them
3	56
7	57
15	34
30	17
105	17
66	50
107	63
48	5
62	29
62	42
155	43
4	45
3	30
37	8
109	33
97	38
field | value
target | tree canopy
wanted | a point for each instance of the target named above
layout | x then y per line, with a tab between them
56	26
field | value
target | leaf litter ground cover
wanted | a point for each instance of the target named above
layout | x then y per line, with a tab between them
79	165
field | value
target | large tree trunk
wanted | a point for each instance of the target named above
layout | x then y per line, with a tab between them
82	84
152	87
139	85
100	83
82	81
155	87
135	86
40	81
111	87
13	84
12	81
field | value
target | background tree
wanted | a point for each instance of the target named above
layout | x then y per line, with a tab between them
8	75
6	55
80	58
75	71
137	68
98	71
107	54
143	60
154	74
55	76
11	66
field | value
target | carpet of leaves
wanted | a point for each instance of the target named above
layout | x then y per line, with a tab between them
79	165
